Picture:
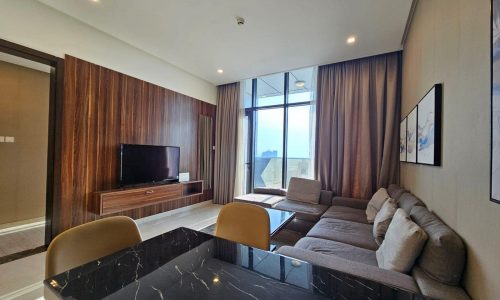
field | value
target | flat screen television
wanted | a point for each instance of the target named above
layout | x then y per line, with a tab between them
148	164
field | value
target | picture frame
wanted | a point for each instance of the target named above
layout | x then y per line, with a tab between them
429	127
402	140
411	136
495	102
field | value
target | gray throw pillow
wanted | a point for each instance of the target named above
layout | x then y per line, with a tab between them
304	190
443	257
383	219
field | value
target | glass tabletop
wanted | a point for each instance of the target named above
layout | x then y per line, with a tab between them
278	219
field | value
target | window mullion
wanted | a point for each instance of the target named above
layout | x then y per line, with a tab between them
285	133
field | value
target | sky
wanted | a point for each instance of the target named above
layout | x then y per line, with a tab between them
270	130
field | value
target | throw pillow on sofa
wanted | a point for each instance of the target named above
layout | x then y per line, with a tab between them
402	245
443	257
383	219
375	204
304	190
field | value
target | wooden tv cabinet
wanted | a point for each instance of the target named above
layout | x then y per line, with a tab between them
118	200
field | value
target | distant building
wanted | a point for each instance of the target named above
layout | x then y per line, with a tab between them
270	154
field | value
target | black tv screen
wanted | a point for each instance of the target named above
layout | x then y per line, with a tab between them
148	164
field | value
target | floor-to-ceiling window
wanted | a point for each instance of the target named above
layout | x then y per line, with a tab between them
279	126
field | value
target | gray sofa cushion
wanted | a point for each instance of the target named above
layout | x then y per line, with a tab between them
304	190
263	200
339	249
395	191
407	201
436	290
350	202
443	257
304	211
352	233
390	278
346	213
269	191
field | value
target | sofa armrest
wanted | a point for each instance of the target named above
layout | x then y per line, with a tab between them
386	277
269	191
325	197
350	202
437	290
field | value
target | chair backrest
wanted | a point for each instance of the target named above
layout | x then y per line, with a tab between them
90	241
244	223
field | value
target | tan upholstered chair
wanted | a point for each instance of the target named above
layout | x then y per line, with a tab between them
244	223
88	242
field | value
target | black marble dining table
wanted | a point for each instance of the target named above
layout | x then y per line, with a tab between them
188	264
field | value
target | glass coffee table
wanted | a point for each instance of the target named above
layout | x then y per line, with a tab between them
278	219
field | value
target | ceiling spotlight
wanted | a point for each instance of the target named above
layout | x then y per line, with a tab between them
95	1
300	83
220	71
351	40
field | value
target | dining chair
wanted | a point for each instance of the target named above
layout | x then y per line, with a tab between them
244	223
90	241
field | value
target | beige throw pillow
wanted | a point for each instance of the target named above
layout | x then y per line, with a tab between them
383	219
403	243
375	204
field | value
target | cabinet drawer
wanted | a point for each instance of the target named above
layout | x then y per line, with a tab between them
116	201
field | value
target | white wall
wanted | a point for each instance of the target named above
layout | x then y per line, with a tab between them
449	42
32	24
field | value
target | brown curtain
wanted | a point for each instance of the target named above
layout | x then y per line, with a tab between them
226	137
205	152
357	132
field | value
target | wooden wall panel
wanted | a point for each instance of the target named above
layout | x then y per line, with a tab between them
103	108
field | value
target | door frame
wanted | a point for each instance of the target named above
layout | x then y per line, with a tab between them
54	135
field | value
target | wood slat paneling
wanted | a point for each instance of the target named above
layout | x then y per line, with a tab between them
103	108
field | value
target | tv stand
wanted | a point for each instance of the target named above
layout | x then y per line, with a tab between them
118	200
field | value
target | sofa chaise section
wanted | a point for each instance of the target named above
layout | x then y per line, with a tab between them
352	267
352	233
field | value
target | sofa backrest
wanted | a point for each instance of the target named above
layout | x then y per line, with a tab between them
269	191
304	190
443	257
407	201
395	191
325	197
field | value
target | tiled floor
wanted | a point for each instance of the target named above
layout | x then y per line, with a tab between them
22	240
22	279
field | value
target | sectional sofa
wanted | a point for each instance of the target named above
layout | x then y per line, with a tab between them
339	236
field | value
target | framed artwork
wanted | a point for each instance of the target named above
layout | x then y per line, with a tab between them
402	140
411	136
495	101
429	127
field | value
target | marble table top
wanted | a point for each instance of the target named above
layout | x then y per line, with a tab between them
187	264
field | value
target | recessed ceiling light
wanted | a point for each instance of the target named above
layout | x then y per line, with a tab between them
300	83
220	71
351	40
94	0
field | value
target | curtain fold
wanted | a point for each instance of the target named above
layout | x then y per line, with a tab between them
357	125
226	137
205	152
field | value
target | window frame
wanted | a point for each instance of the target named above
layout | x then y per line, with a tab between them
250	112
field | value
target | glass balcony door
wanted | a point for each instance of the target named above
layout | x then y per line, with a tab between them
279	128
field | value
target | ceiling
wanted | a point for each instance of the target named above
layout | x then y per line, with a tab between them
279	35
